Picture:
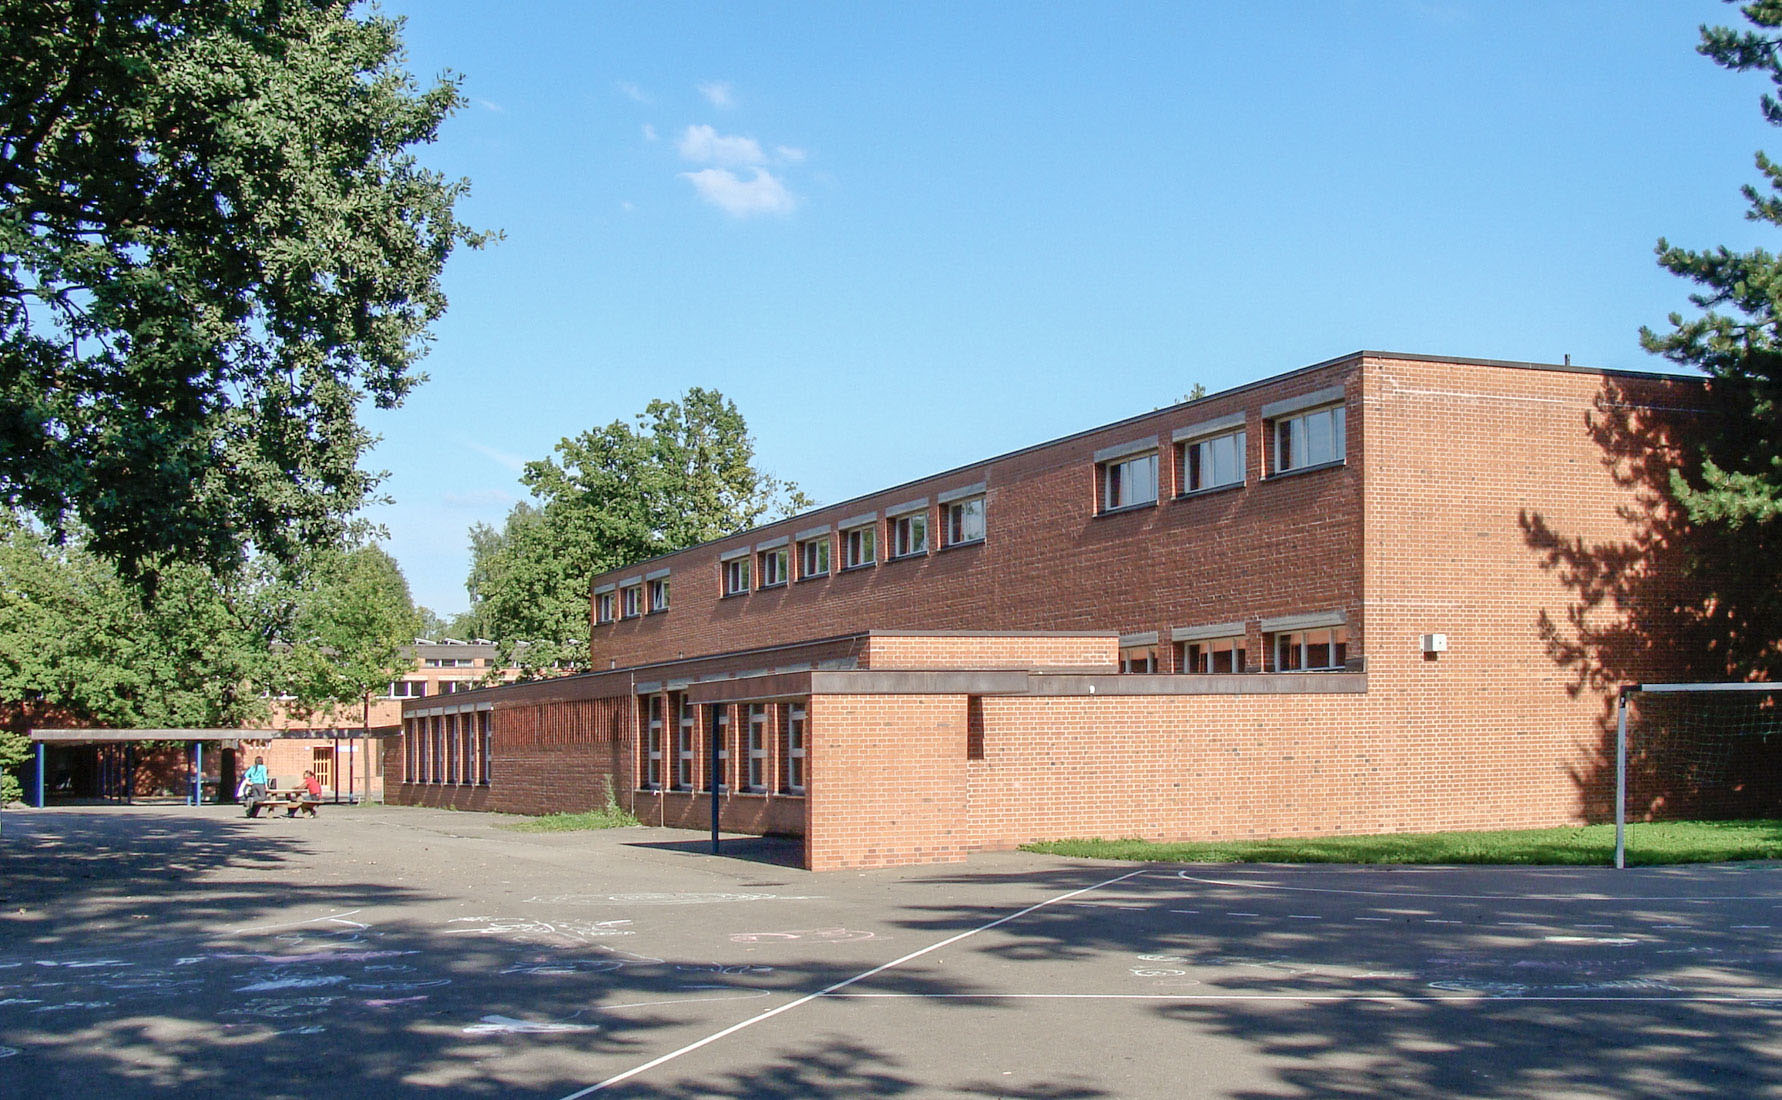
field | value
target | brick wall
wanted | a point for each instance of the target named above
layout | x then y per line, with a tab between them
1048	561
919	651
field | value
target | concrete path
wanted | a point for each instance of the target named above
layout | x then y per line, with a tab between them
384	952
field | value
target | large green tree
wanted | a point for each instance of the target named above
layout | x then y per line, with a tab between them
215	243
77	644
343	630
1737	338
683	474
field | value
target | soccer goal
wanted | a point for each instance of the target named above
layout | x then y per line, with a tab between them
1700	747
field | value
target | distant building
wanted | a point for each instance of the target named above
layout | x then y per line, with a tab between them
1357	597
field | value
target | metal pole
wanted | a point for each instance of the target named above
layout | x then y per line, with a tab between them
717	772
42	761
197	773
1621	780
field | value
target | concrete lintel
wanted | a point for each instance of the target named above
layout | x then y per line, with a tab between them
1229	422
1329	395
975	490
811	533
1122	450
657	574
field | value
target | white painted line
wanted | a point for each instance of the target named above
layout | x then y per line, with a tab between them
300	923
830	990
1234	913
1382	920
1191	912
1303	916
1436	920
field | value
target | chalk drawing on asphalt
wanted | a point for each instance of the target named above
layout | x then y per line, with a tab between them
507	1025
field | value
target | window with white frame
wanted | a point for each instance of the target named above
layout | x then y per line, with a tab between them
1129	482
486	722
652	769
723	721
452	687
794	778
1138	658
683	745
1315	437
736	576
909	534
631	601
603	607
1212	655
773	567
438	742
467	751
408	689
859	547
963	521
813	557
1213	462
1312	649
659	594
759	734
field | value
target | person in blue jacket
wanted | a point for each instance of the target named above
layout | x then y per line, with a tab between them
255	780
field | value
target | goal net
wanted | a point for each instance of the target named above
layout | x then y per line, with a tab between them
1696	750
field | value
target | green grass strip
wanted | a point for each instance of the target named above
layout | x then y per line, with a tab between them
609	818
1648	844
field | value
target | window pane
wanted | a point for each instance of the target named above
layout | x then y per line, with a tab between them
1318	438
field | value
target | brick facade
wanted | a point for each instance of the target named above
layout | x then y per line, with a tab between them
967	697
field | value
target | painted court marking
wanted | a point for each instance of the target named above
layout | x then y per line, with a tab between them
830	990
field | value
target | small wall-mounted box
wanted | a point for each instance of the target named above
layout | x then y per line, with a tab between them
1435	643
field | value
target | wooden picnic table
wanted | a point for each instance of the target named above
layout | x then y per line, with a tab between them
290	800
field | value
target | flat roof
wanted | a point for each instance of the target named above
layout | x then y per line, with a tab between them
93	736
1273	379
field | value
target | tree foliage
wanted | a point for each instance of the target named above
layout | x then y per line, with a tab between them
214	243
1737	339
683	474
344	630
80	646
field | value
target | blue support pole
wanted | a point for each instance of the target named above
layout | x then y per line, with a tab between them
42	762
197	773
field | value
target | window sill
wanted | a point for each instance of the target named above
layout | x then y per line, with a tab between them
656	611
917	556
769	587
1212	490
1278	474
858	568
961	545
734	595
823	576
1125	508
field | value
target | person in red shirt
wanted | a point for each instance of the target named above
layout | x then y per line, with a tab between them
312	788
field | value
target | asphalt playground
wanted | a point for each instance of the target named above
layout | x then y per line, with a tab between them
386	952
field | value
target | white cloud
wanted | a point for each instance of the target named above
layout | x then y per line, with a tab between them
649	132
763	194
704	145
500	458
491	105
480	501
789	154
633	92
718	94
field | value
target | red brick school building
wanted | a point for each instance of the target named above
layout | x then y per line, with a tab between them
1352	598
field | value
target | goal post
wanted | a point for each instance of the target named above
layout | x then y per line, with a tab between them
1760	719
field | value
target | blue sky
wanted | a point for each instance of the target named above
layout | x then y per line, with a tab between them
906	237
